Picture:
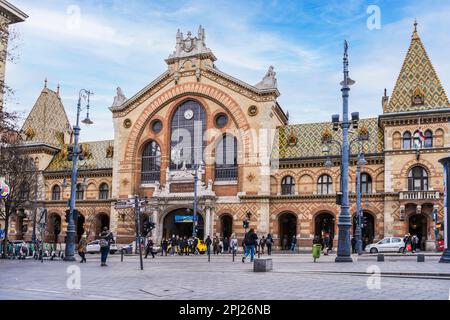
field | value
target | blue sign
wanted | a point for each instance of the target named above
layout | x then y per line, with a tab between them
183	219
2	233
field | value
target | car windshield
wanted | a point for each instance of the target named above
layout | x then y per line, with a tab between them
385	241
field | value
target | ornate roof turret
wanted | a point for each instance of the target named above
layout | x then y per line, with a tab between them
418	86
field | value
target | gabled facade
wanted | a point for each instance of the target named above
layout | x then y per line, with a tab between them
253	164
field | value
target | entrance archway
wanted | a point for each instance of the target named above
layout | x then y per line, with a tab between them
288	229
368	229
79	227
324	223
226	224
101	222
180	222
54	227
418	226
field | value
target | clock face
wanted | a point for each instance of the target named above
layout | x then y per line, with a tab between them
188	114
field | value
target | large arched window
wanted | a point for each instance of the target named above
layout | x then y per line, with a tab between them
56	193
226	158
366	183
103	191
287	185
79	194
187	138
325	184
151	163
417	179
428	143
407	140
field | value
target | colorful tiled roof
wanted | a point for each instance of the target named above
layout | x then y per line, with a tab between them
47	121
98	155
417	78
305	140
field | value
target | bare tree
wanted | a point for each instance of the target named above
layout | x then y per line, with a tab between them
8	53
19	172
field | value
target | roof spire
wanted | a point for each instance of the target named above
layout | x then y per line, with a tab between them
415	34
45	83
57	89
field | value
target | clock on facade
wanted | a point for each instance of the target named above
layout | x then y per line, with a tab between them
188	114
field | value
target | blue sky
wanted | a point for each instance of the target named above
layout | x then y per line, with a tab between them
124	43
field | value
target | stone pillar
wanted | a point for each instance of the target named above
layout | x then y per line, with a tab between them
155	234
207	228
264	218
212	218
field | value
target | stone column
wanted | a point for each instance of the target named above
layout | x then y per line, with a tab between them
207	227
155	234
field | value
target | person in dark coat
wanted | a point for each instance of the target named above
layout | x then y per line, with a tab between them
226	245
164	247
149	248
251	241
269	243
208	243
106	238
353	242
262	244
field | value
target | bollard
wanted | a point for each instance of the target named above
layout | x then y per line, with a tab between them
232	253
420	257
380	257
209	255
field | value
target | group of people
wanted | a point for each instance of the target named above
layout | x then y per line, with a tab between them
289	243
412	243
106	239
176	245
22	249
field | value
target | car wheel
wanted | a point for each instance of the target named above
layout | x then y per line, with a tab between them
374	250
401	250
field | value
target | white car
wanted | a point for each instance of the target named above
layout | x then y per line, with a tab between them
94	247
390	244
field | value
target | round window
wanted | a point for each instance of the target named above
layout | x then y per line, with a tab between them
157	126
221	120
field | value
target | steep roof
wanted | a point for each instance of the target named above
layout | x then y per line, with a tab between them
47	121
308	140
417	78
98	155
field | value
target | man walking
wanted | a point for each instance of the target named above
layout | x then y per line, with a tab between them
251	241
149	248
208	243
269	243
106	238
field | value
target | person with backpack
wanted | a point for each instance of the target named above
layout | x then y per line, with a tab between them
251	241
269	243
106	238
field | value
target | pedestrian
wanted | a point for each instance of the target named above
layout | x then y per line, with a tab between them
82	248
326	243
251	241
293	243
285	243
182	243
149	248
216	245
414	243
164	247
269	243
106	238
262	244
226	245
208	243
407	241
220	246
233	244
194	246
353	242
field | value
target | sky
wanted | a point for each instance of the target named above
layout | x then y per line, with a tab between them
99	45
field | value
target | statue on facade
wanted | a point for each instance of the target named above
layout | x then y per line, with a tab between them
269	81
119	99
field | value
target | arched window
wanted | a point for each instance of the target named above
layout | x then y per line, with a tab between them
366	183
417	179
56	193
79	194
287	185
226	158
325	184
187	138
103	191
428	143
151	163
407	140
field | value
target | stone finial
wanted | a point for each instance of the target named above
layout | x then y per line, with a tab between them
269	81
45	83
191	46
415	35
57	89
119	99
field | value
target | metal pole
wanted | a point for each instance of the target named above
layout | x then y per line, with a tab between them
70	234
358	229
194	224
137	211
344	224
33	236
446	255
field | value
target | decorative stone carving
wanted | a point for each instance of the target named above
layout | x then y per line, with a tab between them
269	81
119	99
127	123
252	111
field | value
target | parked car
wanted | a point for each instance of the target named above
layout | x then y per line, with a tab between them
389	244
130	248
94	247
127	249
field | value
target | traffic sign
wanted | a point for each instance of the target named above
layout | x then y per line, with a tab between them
124	204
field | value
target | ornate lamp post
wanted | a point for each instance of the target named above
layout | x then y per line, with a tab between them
446	255
70	239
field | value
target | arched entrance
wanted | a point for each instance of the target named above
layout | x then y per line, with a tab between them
54	227
180	222
226	224
79	227
324	223
101	222
288	229
418	226
368	228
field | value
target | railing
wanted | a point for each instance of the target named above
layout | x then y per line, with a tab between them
150	176
419	195
226	173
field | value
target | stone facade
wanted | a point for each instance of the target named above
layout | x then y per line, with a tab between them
278	179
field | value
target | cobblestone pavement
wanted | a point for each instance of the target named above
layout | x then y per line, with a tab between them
293	277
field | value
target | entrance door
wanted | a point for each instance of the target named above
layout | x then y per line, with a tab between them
324	223
180	222
226	222
288	229
418	226
368	229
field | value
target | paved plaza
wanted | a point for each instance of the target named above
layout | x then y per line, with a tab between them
173	277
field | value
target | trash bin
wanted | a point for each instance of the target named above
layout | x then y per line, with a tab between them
316	251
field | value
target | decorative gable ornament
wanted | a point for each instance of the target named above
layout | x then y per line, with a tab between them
292	140
326	136
29	133
109	151
418	97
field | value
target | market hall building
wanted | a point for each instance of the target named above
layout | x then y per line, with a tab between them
253	163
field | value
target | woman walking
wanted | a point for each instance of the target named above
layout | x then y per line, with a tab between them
106	238
82	248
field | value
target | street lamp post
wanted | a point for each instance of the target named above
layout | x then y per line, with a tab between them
70	238
344	223
446	255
